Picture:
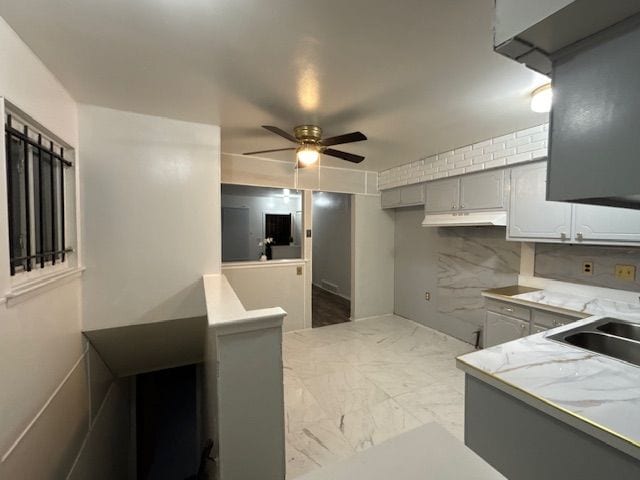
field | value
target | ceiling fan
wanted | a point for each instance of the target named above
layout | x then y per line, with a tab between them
311	144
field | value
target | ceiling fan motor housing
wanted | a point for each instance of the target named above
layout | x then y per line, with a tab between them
308	133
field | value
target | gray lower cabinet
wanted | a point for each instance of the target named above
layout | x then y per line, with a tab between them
407	196
505	321
501	328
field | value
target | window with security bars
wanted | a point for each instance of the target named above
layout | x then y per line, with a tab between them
36	197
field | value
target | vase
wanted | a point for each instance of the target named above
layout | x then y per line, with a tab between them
263	258
268	252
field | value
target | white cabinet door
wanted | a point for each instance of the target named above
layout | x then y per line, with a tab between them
530	215
596	224
390	198
482	191
412	195
442	196
500	328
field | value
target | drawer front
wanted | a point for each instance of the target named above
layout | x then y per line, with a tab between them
550	319
511	309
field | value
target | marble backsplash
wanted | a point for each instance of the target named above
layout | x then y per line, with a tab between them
453	265
564	263
471	260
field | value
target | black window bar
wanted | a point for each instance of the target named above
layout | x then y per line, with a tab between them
53	228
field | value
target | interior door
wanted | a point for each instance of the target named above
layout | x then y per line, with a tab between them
235	234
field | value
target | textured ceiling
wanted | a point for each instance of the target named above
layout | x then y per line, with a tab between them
416	76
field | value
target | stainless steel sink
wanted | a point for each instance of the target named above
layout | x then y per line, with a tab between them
608	336
622	329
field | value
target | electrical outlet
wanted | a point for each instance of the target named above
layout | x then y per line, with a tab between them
587	268
626	272
299	270
427	296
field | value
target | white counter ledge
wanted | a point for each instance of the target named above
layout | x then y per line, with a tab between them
226	314
593	393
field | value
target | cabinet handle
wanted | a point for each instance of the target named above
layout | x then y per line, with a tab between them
579	236
563	236
461	206
508	309
453	207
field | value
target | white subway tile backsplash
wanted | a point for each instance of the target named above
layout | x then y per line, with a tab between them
529	131
543	152
506	149
474	153
504	138
517	142
483	144
474	168
501	162
538	137
494	148
520	157
483	158
504	153
466	149
531	146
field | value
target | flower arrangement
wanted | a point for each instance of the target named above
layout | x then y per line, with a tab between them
266	253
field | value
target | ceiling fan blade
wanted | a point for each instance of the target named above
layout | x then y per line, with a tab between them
282	133
346	138
269	151
349	157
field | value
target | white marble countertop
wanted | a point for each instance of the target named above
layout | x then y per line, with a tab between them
569	304
594	393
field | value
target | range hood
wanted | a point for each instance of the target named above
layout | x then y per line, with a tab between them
590	49
466	219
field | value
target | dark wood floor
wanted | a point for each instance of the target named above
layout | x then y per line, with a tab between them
328	308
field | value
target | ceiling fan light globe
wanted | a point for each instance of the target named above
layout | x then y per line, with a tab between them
307	155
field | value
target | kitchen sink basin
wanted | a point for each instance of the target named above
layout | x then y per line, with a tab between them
622	329
608	336
608	345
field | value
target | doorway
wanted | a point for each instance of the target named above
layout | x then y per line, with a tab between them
331	282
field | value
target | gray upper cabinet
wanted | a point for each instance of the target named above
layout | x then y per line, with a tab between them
407	196
596	224
478	191
390	198
482	191
531	216
442	196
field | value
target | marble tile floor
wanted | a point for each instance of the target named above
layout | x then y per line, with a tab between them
353	385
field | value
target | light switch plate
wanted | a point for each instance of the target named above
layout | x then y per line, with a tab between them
626	272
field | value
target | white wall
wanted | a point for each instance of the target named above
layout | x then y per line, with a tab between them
272	285
42	369
258	206
151	214
332	241
372	267
245	170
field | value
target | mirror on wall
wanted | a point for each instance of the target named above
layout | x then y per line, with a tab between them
261	223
